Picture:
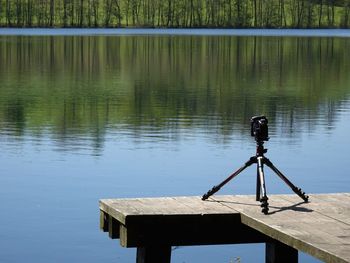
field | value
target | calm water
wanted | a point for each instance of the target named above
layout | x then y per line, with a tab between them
90	117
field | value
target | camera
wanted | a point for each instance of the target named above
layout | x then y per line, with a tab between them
259	128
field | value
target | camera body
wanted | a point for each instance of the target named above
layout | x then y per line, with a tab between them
259	128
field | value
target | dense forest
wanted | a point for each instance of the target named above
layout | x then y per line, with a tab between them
179	13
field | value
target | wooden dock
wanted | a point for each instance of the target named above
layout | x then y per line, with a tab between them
320	228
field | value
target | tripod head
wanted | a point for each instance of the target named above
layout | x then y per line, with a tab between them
260	150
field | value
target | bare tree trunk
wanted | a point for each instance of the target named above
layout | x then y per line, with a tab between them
46	13
255	13
89	13
118	13
81	13
309	14
95	8
29	19
300	9
72	13
52	12
333	12
108	11
169	18
261	12
64	13
282	16
330	13
229	15
18	13
320	13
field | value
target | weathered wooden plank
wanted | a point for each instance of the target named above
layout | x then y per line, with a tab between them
336	206
120	208
165	206
196	205
297	225
179	206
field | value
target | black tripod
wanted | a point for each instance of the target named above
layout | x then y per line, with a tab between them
260	160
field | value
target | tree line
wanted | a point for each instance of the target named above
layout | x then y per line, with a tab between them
179	13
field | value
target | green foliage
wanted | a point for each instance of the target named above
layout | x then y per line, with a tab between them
179	13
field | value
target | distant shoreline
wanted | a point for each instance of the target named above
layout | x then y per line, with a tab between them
173	31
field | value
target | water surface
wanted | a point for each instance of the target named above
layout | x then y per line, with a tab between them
94	116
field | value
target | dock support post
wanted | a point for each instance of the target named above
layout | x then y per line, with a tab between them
277	252
154	254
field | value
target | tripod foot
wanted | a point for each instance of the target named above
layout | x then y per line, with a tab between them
210	192
302	194
205	197
264	205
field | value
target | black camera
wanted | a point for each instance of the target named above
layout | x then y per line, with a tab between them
259	128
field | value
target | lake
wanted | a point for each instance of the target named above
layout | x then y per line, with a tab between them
86	116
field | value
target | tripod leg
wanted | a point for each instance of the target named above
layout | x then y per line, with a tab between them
218	187
264	198
295	189
258	185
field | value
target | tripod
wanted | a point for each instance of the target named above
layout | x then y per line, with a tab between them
260	160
